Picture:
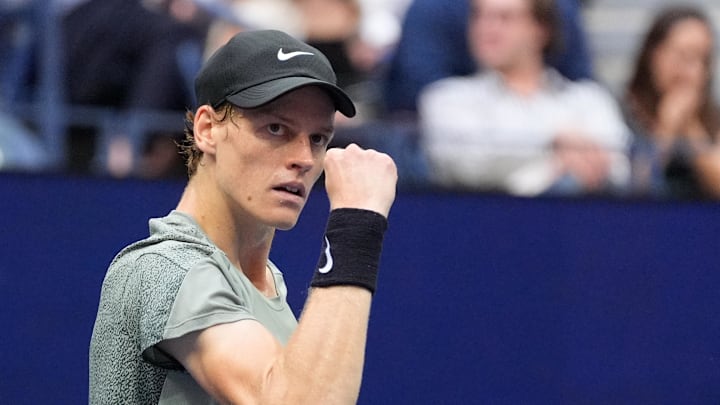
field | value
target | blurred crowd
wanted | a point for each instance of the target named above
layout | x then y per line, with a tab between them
471	95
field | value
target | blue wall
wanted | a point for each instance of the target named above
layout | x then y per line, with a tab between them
482	299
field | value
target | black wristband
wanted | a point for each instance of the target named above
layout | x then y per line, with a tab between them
351	249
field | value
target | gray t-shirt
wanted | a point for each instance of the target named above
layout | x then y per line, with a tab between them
172	283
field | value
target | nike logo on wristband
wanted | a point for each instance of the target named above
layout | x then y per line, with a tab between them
328	259
282	56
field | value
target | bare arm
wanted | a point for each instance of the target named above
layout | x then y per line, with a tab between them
242	363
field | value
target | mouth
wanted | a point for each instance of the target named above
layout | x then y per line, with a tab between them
295	189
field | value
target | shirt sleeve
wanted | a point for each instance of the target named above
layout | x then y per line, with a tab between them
176	302
206	299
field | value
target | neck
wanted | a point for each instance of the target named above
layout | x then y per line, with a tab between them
525	79
245	241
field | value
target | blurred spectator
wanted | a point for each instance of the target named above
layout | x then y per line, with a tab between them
329	26
379	31
120	54
356	36
518	126
671	109
369	49
433	46
242	15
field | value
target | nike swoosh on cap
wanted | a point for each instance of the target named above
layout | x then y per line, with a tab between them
282	56
328	259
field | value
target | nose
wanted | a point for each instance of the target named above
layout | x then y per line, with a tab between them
301	155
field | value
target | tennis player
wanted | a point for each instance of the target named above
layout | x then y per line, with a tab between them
197	313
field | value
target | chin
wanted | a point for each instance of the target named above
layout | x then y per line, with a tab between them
493	63
282	215
284	221
285	225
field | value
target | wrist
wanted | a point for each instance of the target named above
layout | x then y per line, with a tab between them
363	206
351	249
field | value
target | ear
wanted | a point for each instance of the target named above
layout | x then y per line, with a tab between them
203	129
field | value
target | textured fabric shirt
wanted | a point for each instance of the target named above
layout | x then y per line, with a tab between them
166	286
480	134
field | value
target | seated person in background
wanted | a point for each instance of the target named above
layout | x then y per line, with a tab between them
329	26
519	126
131	65
338	29
671	110
122	55
433	46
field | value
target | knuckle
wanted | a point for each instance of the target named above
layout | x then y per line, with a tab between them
387	160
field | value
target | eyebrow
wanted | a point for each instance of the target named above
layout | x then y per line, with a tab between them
275	112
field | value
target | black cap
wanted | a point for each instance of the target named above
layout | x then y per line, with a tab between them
256	67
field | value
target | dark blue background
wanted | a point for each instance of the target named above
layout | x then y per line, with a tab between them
482	299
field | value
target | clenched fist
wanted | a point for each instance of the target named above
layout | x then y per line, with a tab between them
358	178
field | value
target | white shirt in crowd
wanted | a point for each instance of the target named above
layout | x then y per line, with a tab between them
479	134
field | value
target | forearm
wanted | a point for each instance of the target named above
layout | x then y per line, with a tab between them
484	166
619	171
323	361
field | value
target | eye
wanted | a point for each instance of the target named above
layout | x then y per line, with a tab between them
276	129
319	139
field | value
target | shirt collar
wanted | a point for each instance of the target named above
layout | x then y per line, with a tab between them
552	81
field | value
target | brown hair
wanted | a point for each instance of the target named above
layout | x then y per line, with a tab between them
642	95
188	148
547	14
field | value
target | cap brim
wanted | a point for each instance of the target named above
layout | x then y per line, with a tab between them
264	93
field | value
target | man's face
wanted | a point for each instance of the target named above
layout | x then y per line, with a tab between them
268	158
504	34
